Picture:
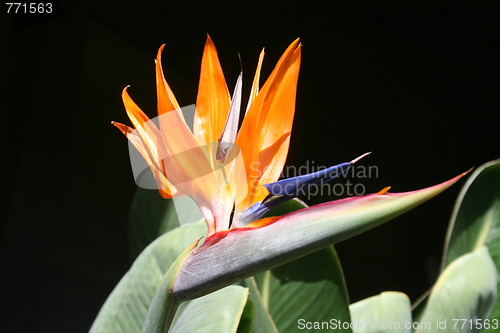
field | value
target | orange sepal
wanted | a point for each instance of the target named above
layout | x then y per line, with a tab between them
213	101
256	80
166	98
265	133
166	189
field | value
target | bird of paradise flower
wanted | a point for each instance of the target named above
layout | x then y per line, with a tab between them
232	175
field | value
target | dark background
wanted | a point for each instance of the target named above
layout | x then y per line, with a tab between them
415	83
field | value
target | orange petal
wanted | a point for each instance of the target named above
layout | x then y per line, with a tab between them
146	129
212	103
187	166
167	190
166	98
256	81
265	133
189	161
176	152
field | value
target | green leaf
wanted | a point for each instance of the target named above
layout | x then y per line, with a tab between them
164	306
246	321
306	290
126	307
388	312
151	216
230	256
314	282
217	312
465	290
262	319
475	220
418	306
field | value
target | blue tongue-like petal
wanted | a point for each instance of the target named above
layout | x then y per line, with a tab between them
294	186
259	209
286	189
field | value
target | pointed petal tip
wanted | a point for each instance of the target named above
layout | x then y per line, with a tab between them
298	46
360	157
126	130
160	51
439	187
209	40
125	95
124	90
466	172
294	46
444	184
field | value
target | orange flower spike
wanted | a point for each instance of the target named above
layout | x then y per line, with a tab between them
180	142
152	143
177	156
166	98
174	151
255	84
166	189
187	166
148	132
213	101
264	136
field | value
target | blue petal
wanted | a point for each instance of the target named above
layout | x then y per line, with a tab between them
287	189
292	186
259	209
249	214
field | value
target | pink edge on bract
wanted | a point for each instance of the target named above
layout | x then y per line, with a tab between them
348	204
220	235
355	203
229	256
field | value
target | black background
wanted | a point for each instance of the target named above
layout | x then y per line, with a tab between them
416	83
